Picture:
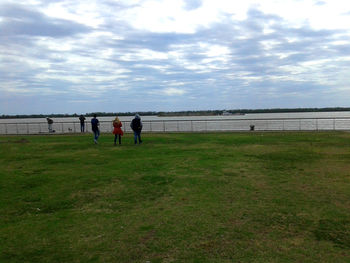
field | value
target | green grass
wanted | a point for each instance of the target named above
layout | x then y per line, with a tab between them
218	197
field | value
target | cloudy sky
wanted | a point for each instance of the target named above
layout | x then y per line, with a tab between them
169	55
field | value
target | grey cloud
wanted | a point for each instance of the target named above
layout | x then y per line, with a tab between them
22	21
340	50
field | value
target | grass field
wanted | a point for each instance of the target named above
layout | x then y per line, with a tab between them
217	197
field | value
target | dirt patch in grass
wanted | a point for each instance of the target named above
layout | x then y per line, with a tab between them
22	140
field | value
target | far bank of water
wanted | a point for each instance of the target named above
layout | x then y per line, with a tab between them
257	116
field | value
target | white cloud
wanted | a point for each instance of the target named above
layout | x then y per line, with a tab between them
330	15
168	92
143	54
131	47
173	91
172	16
167	16
83	12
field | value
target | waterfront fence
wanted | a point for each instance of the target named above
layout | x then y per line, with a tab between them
208	125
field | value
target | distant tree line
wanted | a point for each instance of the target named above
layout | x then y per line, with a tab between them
286	110
179	113
22	116
246	111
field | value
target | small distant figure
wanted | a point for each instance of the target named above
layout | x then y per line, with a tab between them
82	123
49	122
117	124
94	126
136	126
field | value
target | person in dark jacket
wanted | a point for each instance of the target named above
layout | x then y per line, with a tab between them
49	122
82	123
136	126
94	126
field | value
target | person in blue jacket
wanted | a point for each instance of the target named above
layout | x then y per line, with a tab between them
95	128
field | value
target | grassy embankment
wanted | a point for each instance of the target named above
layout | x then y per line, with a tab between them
219	197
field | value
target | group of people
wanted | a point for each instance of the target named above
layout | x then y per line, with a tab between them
81	118
136	126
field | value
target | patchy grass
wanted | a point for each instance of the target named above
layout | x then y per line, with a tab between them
217	197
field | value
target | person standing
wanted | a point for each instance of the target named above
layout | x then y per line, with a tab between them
136	126
82	123
49	122
94	126
117	124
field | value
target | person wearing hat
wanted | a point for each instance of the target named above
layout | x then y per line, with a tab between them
136	126
117	124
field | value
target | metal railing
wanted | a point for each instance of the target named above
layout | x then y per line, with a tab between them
208	125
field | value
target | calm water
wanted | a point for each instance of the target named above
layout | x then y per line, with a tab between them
341	114
261	121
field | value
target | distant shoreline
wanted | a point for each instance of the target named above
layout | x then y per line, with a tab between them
182	113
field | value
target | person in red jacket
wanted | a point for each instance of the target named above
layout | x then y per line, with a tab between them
117	124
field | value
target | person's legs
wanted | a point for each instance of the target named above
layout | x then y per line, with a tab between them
82	126
96	134
120	139
135	137
115	139
139	135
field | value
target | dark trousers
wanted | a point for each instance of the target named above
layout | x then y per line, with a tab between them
137	134
82	127
96	134
115	139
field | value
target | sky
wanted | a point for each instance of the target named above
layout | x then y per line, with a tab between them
87	56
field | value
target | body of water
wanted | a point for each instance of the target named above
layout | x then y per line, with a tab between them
260	121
